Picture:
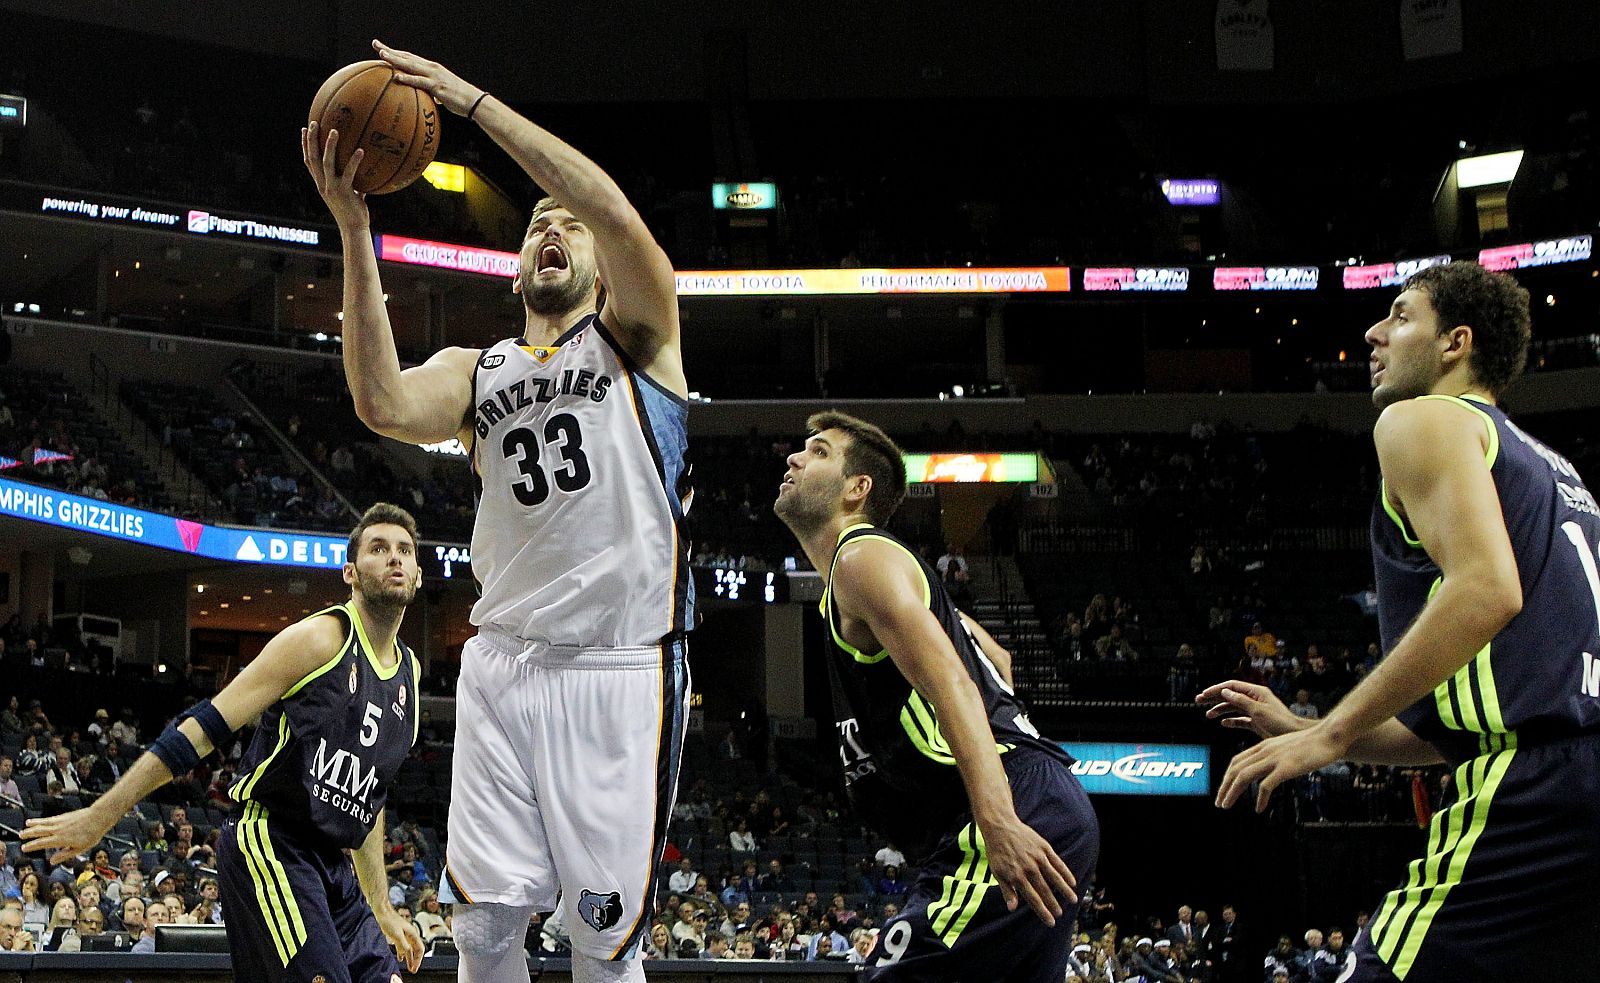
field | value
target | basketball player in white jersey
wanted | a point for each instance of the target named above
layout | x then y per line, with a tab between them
574	694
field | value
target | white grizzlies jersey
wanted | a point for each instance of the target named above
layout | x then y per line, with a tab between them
581	458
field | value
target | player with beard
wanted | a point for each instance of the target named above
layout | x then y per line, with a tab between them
337	699
1484	542
938	753
573	695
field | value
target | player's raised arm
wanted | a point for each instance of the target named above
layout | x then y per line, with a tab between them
289	657
641	291
421	405
881	585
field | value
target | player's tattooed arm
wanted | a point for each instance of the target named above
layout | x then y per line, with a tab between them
881	586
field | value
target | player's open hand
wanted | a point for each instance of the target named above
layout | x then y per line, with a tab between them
1278	760
405	938
1028	868
66	835
447	88
349	206
1249	706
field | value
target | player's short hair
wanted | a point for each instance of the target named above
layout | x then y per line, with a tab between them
545	204
1493	305
873	454
381	514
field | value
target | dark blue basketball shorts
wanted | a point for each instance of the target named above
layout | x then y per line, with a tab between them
295	913
955	925
1510	874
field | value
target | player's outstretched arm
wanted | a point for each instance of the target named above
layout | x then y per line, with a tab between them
422	405
1251	706
370	871
641	291
882	586
996	653
288	658
1432	455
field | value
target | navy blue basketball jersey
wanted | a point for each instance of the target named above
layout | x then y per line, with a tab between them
1539	676
898	766
324	755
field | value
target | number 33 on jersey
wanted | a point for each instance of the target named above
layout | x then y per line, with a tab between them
581	458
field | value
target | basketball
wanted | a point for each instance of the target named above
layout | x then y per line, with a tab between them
397	125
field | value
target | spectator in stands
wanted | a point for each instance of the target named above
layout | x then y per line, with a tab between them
716	946
55	802
1260	646
91	920
741	839
100	727
890	856
692	930
1115	647
1303	707
11	716
1336	958
776	880
155	913
30	759
126	730
736	920
659	945
1182	931
8	784
430	917
744	946
108	766
155	837
828	935
702	892
683	879
1311	960
890	883
130	917
29	884
1285	957
1183	676
63	916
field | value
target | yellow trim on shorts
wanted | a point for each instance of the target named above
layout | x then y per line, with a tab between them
280	909
964	890
1433	876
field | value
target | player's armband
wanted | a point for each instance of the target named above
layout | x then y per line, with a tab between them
175	749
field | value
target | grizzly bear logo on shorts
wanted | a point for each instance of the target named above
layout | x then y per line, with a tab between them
600	911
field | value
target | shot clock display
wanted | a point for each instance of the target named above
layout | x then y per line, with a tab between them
713	584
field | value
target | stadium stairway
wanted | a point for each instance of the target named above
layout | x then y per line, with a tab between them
178	483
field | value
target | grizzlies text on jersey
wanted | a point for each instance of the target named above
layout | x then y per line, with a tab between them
324	755
585	483
898	767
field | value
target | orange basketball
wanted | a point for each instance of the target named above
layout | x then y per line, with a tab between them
396	124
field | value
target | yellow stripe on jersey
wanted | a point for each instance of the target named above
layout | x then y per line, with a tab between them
247	783
326	667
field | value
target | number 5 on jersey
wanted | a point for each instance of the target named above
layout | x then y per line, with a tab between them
571	475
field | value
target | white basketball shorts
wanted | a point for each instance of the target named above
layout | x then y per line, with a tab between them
566	768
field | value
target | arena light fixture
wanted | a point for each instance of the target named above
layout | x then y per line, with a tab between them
1486	169
446	177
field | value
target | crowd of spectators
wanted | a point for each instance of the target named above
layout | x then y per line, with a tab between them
49	436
